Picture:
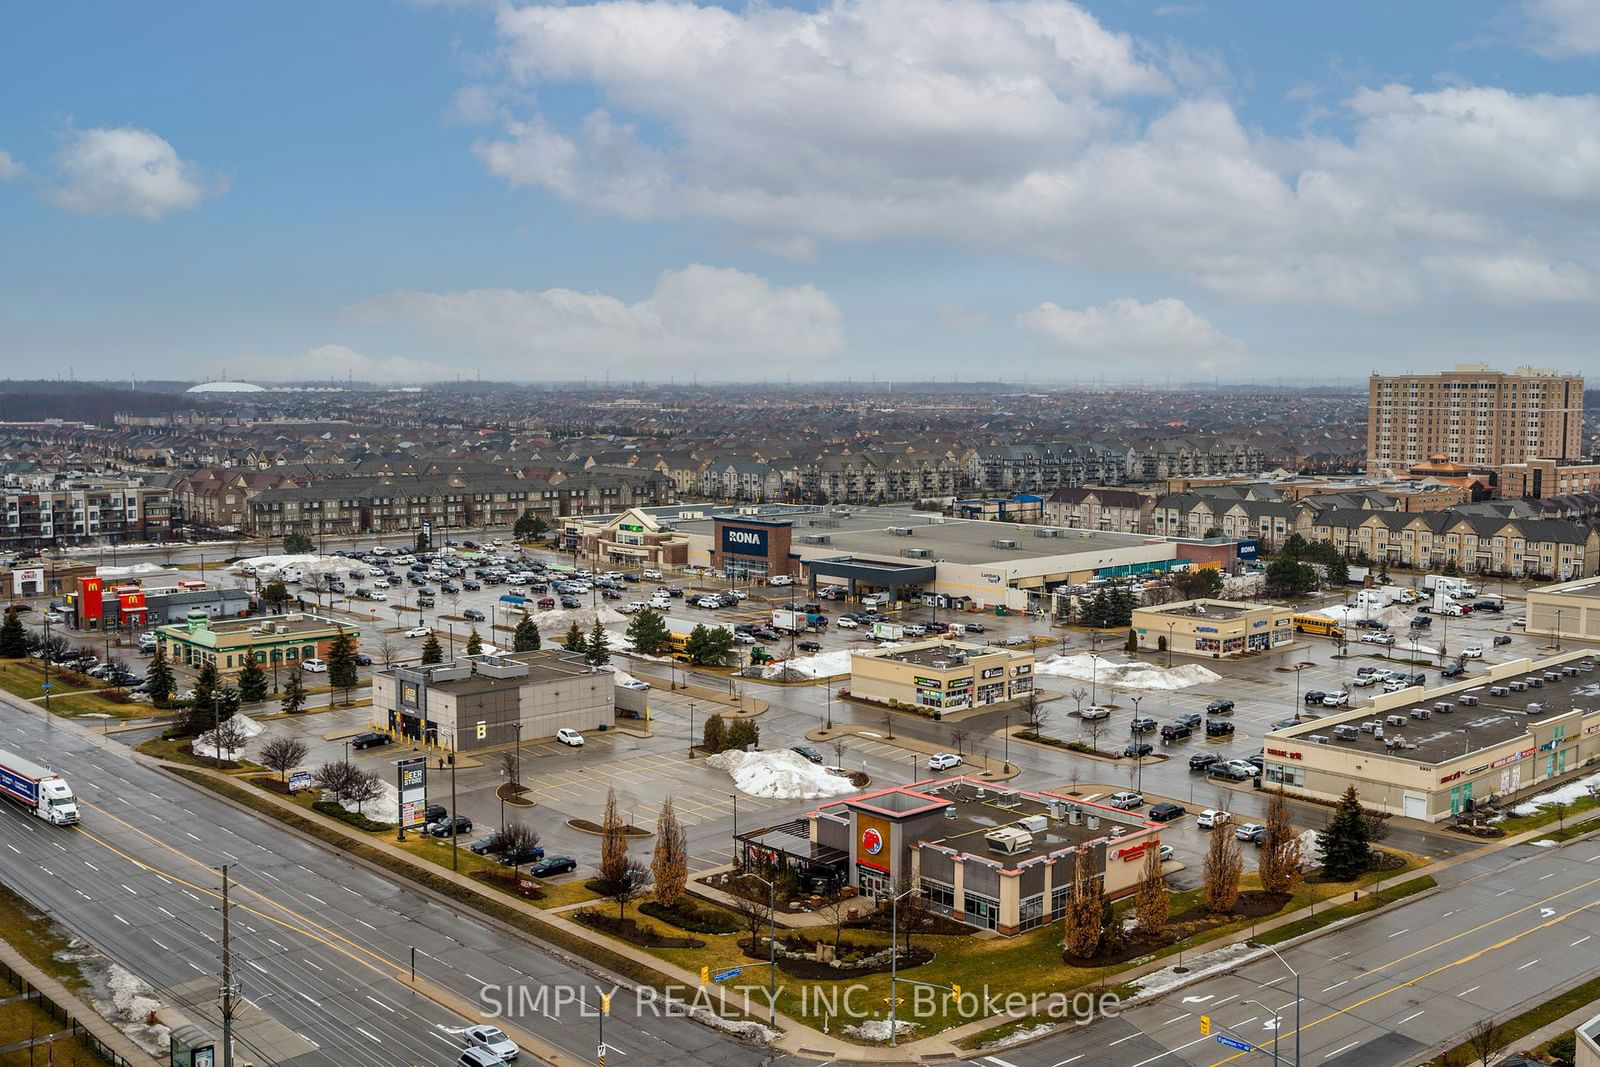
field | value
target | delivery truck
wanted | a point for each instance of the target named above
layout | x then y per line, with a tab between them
796	621
39	789
1399	594
888	631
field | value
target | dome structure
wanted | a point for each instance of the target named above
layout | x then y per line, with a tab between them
226	387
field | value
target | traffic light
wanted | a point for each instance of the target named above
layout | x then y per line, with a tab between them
605	1003
1205	1026
705	975
955	991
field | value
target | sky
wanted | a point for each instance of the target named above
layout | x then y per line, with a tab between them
912	189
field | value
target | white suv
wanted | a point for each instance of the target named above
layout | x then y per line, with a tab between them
1125	801
943	761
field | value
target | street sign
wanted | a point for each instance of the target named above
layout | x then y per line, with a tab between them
1242	1046
723	976
47	685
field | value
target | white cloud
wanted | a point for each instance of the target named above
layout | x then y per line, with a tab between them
1563	27
1021	125
336	363
700	318
1161	336
1515	279
10	168
126	171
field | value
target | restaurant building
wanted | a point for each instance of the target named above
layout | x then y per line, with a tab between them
947	675
1213	628
273	640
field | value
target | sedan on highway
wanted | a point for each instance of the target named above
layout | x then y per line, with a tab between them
418	631
492	1039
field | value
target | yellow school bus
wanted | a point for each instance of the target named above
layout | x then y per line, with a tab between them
1320	625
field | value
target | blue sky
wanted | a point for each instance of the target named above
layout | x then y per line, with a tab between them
1167	191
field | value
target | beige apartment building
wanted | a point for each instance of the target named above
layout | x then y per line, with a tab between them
1474	416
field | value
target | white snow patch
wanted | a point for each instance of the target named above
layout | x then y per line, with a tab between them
1198	967
750	1031
822	665
127	1003
135	570
1564	794
561	619
1544	843
782	775
1025	1034
1115	675
385	809
878	1029
206	744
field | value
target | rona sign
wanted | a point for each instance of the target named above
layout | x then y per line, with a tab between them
744	540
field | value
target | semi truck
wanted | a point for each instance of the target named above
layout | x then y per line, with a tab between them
1456	587
39	789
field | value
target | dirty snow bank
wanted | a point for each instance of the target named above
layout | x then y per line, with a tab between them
1198	967
822	665
780	775
135	570
1564	794
878	1029
1081	668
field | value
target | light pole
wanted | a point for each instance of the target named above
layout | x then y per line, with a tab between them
894	961
1297	668
450	761
1296	974
1170	625
691	729
1094	676
1138	760
772	946
1277	1024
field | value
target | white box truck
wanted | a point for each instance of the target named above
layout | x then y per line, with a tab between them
1457	587
39	789
888	631
1399	594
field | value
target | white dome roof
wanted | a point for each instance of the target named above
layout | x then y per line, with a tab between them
226	387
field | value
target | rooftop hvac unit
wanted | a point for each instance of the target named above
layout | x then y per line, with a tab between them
1518	686
1091	822
1074	816
1552	676
1534	682
1370	726
940	664
1396	720
950	811
1570	671
1346	733
1003	542
1318	739
1535	709
900	531
1468	700
817	539
1009	840
1034	824
1421	713
981	793
1444	707
917	553
1498	690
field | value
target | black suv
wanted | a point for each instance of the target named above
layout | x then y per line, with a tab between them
1175	731
1202	760
1315	696
1220	707
1138	748
1219	728
1142	724
1190	720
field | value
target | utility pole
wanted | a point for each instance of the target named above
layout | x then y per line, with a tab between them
227	977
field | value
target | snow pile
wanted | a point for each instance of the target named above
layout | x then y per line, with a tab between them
125	1000
878	1029
822	665
1114	675
621	675
241	725
1027	1033
1197	967
384	809
1564	794
782	775
750	1031
134	570
562	618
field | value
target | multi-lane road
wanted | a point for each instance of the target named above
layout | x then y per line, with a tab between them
319	942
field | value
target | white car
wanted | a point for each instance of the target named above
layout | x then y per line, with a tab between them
943	761
636	685
488	1037
381	583
780	579
568	736
1394	685
1366	680
1211	818
377	594
54	616
708	602
916	629
1473	652
314	666
846	624
418	631
1095	713
743	639
1125	801
1337	698
654	576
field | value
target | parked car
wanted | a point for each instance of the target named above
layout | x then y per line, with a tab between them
1095	713
1233	770
1201	761
1253	832
1488	605
1142	724
1191	719
362	659
570	737
1168	853
1166	812
1219	728
473	614
808	646
1211	818
487	845
418	631
808	752
1421	621
635	684
1473	652
845	623
973	627
1220	707
1137	749
314	666
1362	681
1125	801
1176	731
518	856
553	865
442	828
1452	670
1337	698
943	761
1315	696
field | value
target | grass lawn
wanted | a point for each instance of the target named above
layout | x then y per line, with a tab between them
161	748
25	677
1516	824
1520	1026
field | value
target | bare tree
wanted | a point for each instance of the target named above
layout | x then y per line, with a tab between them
1078	696
385	649
1377	821
1152	907
282	753
838	752
910	912
751	900
510	766
1486	1039
1094	729
365	789
516	838
888	726
1279	863
835	907
1034	712
1223	866
336	779
958	737
226	739
628	885
669	863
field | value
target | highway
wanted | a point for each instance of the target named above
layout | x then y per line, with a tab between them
318	941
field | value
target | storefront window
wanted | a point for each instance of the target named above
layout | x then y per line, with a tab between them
939	893
1286	775
1031	913
981	910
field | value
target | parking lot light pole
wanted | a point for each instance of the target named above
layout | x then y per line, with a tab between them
1296	974
1138	760
691	729
1277	1024
894	960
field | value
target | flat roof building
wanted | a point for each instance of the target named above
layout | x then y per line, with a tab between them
1432	754
228	643
999	859
941	675
482	702
1567	611
1213	628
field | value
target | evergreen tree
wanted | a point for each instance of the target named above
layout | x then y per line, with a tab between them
1132	643
205	687
1346	851
252	681
422	542
574	641
708	645
13	638
648	632
431	652
744	733
526	638
158	678
597	651
294	694
714	735
474	643
276	594
530	527
342	663
297	544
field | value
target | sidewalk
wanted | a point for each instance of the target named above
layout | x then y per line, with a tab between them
86	1017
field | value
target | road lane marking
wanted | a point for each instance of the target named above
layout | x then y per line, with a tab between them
1329	1056
1525	966
1408	1018
1336	985
162	947
258	966
1130	1037
130	889
1179	1019
1542	877
1397	933
1074	1059
120	919
1580	940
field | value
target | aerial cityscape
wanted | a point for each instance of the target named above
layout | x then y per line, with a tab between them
1014	534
